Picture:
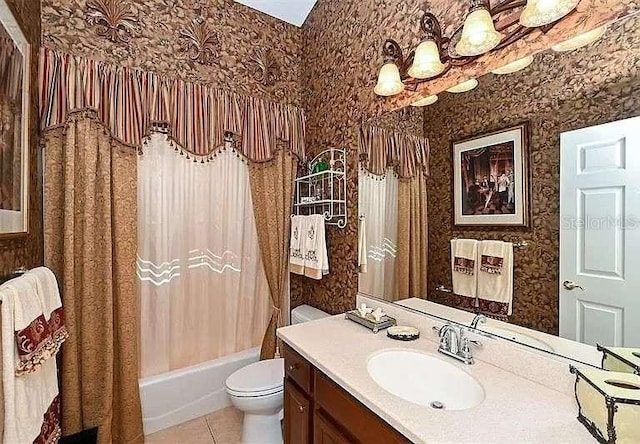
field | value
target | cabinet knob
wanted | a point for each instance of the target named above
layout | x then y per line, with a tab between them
301	408
291	367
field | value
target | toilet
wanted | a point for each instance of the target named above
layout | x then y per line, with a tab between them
257	390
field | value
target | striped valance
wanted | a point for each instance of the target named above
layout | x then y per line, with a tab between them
132	102
381	149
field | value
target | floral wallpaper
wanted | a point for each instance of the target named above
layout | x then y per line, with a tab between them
342	41
559	92
218	42
27	251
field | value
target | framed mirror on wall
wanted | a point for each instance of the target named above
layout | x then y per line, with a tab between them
562	196
14	126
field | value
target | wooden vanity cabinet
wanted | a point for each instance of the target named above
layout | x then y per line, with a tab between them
318	411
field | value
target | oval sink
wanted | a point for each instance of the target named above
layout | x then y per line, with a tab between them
522	338
425	380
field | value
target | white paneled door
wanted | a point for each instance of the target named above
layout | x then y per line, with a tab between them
600	234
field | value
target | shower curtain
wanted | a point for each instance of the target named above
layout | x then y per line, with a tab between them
378	203
203	288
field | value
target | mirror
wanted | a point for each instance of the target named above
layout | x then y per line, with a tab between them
546	158
14	127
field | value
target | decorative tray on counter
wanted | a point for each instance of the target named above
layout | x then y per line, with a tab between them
369	321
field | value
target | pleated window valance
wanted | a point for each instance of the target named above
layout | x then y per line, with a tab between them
381	149
132	102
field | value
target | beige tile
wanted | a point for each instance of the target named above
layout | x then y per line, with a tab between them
226	425
192	432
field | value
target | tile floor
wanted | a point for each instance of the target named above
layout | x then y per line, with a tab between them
221	427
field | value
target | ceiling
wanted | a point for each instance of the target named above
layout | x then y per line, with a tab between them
291	11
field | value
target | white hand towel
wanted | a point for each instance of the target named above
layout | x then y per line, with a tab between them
316	261
495	278
464	267
362	246
297	245
31	401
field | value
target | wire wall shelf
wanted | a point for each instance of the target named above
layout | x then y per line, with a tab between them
323	189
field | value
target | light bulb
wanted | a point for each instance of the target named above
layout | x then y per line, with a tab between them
479	35
465	86
542	12
426	61
580	40
429	100
512	67
389	82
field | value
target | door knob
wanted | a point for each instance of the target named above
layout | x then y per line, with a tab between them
570	285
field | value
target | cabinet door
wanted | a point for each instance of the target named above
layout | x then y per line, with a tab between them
326	433
297	415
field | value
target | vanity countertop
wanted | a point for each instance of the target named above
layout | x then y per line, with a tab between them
514	410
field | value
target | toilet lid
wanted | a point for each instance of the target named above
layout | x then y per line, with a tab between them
260	378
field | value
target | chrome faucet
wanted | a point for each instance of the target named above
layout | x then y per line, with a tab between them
454	343
478	319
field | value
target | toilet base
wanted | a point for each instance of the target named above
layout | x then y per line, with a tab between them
261	429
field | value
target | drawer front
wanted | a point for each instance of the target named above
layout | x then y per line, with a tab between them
297	369
349	413
297	416
324	432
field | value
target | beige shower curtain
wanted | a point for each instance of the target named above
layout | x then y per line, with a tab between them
203	289
272	194
90	243
411	262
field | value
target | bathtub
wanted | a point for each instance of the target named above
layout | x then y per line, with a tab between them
174	397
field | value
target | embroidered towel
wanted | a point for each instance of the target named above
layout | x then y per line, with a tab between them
362	245
464	269
316	260
495	278
31	400
296	248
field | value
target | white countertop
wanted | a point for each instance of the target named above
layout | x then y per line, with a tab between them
515	410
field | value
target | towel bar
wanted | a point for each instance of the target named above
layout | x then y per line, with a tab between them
14	274
519	245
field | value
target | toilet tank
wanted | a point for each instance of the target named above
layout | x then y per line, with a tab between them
304	313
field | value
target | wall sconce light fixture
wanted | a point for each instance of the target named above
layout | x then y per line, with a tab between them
484	30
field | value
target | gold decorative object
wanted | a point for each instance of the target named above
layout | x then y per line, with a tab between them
608	404
112	19
200	42
620	359
264	66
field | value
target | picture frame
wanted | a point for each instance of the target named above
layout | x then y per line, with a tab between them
15	100
491	179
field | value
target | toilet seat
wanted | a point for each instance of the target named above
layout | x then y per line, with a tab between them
261	378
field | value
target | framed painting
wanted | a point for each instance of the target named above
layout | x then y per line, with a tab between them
491	179
14	126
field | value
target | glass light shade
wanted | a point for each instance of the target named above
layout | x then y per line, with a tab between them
512	67
389	82
542	12
426	61
465	86
580	40
429	100
478	34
